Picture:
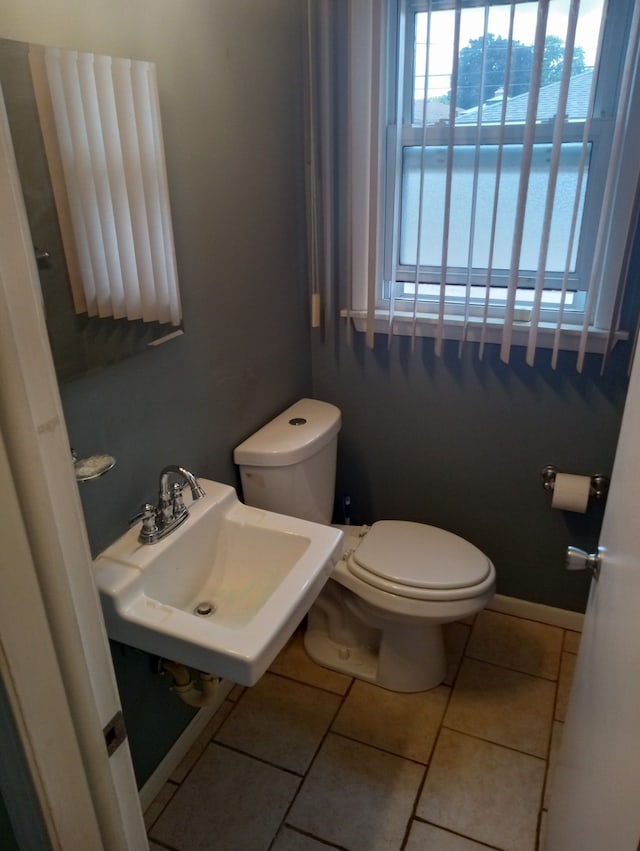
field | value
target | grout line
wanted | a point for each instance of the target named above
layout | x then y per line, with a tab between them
491	742
380	749
324	689
161	844
312	760
457	833
516	670
436	738
306	834
261	759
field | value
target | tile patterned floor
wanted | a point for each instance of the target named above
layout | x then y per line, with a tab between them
310	760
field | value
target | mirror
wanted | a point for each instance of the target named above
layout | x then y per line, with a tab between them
80	343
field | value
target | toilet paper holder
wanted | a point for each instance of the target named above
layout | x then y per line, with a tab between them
599	483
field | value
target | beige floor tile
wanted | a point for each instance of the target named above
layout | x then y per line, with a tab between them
228	801
192	755
571	641
405	724
456	635
567	668
523	645
428	837
294	662
556	737
357	797
280	721
291	840
483	791
503	706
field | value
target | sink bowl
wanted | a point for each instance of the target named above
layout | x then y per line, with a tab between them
223	592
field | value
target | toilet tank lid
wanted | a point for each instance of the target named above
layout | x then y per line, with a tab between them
294	435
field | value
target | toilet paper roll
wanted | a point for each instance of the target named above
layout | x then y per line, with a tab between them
571	493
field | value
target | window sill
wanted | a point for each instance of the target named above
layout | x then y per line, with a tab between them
454	328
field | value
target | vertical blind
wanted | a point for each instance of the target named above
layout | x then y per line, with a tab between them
374	205
100	121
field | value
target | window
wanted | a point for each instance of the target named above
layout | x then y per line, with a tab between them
489	52
475	212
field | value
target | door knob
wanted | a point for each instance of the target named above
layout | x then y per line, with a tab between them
578	559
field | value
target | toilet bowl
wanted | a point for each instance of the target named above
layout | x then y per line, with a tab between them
379	618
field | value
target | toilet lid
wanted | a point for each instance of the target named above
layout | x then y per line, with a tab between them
419	556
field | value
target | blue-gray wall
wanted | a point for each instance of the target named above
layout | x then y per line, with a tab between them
460	443
452	442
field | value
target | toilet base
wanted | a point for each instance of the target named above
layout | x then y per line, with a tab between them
410	658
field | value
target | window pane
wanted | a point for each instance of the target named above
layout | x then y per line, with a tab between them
489	45
434	162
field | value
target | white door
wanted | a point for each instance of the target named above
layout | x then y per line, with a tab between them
595	799
59	610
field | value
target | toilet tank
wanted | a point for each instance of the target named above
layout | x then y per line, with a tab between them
289	465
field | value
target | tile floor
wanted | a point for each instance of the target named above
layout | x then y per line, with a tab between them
309	759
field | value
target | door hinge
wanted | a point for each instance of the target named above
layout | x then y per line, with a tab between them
115	733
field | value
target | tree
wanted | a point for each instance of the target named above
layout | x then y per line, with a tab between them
553	62
470	67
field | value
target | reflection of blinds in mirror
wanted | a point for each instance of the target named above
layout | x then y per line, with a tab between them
100	121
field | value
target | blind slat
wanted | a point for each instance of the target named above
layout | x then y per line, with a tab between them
423	153
498	180
556	150
118	188
525	170
449	179
476	168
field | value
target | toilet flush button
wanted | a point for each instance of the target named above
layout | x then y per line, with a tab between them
296	421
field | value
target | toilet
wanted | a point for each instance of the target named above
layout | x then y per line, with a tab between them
379	617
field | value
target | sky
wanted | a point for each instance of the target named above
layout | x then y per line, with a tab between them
472	26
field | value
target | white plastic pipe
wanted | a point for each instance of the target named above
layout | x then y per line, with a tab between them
185	687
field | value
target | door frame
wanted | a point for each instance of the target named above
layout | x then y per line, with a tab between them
52	569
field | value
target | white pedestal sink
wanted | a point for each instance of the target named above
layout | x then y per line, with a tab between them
223	592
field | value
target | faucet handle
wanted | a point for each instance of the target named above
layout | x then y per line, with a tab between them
149	516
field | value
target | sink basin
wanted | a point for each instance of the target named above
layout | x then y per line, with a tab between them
223	592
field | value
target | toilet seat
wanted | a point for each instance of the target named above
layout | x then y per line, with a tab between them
419	562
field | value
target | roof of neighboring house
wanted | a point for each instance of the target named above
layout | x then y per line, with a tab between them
577	102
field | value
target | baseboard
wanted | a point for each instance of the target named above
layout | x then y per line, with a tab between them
181	746
537	612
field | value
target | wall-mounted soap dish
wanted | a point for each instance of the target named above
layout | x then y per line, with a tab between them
92	467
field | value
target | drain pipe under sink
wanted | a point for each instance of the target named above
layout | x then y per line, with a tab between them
185	687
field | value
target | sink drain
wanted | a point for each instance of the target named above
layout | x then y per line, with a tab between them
205	608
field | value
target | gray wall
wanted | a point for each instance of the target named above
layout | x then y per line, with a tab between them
230	77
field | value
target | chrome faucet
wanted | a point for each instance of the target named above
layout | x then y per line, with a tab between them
161	519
